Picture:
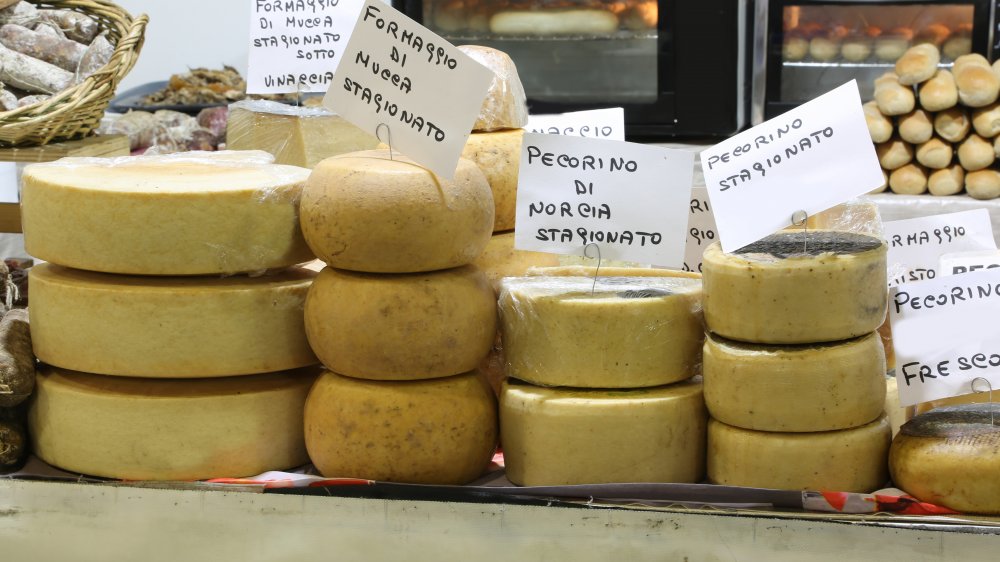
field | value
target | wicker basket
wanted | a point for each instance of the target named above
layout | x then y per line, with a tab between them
76	111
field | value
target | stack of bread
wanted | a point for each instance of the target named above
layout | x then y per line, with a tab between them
602	383
833	41
162	358
793	367
935	129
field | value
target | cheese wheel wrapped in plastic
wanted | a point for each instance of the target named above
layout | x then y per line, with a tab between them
506	105
612	332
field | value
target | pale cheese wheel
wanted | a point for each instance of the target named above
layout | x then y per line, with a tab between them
498	155
897	413
438	431
614	271
365	211
564	436
849	460
950	456
183	214
145	429
821	387
500	259
401	327
189	327
773	292
505	105
608	332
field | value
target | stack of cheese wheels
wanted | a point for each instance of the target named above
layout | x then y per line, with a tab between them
938	130
163	359
400	319
601	384
794	369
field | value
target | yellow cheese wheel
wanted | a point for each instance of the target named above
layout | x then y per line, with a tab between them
498	155
615	332
366	212
849	460
774	292
560	436
819	387
187	214
616	271
169	326
401	327
438	431
145	429
500	259
981	397
950	456
898	414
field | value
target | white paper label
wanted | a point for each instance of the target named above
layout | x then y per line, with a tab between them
423	91
811	158
701	229
296	46
631	200
963	262
944	333
592	123
916	245
8	183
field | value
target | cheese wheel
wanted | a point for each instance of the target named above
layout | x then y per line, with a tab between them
970	398
849	460
498	155
563	436
366	212
615	332
500	259
950	456
505	105
591	271
189	327
819	387
401	327
144	429
773	292
182	214
438	431
897	413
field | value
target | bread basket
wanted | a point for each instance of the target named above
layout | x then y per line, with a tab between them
76	111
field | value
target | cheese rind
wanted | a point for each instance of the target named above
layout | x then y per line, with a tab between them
188	327
849	460
185	214
143	429
498	155
500	259
795	388
563	436
835	291
615	332
401	327
437	431
366	212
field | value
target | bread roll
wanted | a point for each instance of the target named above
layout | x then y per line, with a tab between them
554	22
947	181
934	34
975	153
977	85
917	64
953	124
856	47
795	47
996	147
884	186
960	42
824	49
894	153
935	153
879	126
910	179
891	97
983	184
969	60
939	93
916	127
986	120
892	44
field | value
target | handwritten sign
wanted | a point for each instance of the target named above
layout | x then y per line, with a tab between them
963	262
944	334
423	92
809	159
295	45
701	229
629	199
592	123
916	245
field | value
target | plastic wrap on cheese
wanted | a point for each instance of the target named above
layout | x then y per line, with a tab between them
606	332
506	105
298	136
